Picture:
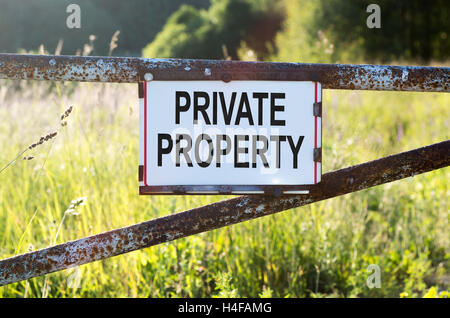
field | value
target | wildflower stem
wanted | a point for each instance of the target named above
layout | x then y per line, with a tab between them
14	160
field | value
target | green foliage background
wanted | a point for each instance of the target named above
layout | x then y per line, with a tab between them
217	33
321	250
411	30
308	31
28	24
336	31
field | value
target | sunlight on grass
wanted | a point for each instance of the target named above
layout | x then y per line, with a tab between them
321	250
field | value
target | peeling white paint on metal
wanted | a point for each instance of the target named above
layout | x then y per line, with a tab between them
173	236
405	74
36	73
243	202
162	63
259	208
368	76
123	69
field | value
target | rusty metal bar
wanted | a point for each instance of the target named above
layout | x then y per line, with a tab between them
133	69
220	214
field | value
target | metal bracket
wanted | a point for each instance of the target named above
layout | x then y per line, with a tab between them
141	173
318	154
141	89
317	109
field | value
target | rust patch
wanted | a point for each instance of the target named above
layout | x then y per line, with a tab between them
132	70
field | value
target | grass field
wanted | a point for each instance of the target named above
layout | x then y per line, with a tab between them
322	250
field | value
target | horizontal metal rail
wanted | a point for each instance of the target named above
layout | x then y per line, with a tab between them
220	214
133	70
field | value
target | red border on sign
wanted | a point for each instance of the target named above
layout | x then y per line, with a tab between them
145	134
315	133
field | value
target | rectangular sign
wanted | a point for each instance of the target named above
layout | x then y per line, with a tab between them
238	137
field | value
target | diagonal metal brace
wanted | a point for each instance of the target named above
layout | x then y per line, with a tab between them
220	214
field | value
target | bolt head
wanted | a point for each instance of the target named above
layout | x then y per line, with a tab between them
226	77
148	77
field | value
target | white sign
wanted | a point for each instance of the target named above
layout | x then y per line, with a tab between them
206	134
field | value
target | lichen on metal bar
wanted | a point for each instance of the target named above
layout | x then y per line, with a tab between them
133	70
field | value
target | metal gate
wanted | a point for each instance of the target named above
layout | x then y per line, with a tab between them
239	209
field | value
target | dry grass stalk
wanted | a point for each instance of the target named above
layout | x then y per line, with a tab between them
41	141
113	43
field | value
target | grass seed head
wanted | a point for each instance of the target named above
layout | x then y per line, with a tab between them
43	139
66	113
73	207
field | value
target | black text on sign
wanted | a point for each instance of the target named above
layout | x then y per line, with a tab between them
205	134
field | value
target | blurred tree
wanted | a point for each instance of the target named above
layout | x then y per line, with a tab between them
313	30
182	36
33	23
217	32
141	20
28	24
298	40
336	30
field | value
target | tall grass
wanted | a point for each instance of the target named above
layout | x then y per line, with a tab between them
319	250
